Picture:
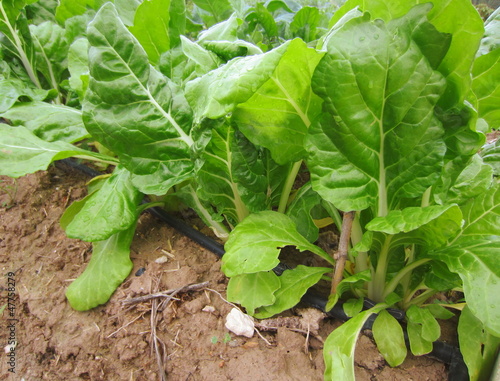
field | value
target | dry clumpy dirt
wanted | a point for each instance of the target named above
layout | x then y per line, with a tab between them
114	342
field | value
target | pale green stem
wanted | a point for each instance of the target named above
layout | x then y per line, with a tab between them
110	161
287	188
333	212
378	282
361	259
421	298
391	286
218	228
426	197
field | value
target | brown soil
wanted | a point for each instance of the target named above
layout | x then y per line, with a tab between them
113	342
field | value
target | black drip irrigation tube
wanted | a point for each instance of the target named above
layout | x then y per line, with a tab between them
441	351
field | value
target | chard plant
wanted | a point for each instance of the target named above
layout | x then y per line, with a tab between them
220	105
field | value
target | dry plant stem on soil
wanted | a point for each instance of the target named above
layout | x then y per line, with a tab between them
169	294
156	305
341	255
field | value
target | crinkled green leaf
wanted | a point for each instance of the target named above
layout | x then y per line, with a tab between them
486	87
478	347
388	335
204	59
475	179
305	23
126	9
338	350
111	209
423	330
109	265
466	36
491	37
431	226
151	27
278	115
254	245
377	140
48	121
473	254
230	174
152	113
491	156
299	211
220	9
253	290
78	66
12	89
218	92
22	152
294	284
71	8
51	50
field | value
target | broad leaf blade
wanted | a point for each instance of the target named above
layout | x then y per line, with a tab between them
338	350
21	152
278	115
388	335
230	174
466	36
253	290
48	121
294	284
378	140
151	27
109	265
485	85
12	89
254	244
478	347
111	209
151	113
218	92
473	254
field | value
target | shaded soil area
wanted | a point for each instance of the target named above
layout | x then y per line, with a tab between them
117	341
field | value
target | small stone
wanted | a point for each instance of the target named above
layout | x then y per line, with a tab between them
240	323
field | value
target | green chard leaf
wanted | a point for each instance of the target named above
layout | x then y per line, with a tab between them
388	335
12	89
22	152
109	265
71	8
48	121
466	36
491	156
254	245
491	37
51	49
253	290
473	254
78	66
300	209
156	28
294	284
478	347
152	113
279	113
378	140
230	174
111	209
485	85
423	330
218	92
338	350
